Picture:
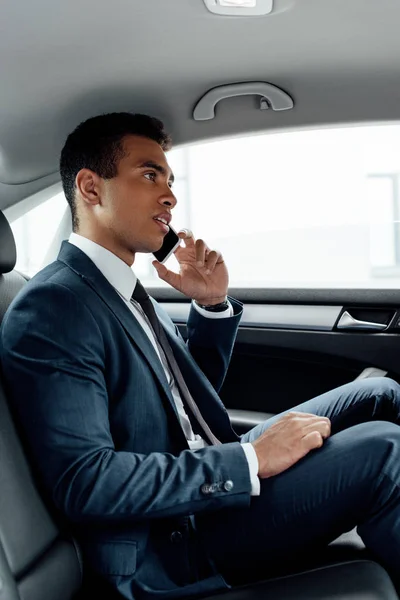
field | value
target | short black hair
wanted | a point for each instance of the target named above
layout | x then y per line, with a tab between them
97	144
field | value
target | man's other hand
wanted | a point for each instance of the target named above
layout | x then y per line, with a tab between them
288	440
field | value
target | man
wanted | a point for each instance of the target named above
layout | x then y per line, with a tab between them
122	418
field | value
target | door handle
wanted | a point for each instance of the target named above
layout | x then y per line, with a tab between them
346	321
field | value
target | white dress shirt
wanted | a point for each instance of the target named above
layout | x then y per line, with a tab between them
123	280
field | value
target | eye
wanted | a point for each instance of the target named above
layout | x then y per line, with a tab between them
151	175
171	184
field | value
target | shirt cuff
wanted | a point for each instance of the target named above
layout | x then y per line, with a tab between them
215	315
252	460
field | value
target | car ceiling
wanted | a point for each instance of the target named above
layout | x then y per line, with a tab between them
62	62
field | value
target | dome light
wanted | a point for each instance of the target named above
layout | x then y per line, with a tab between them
240	8
239	3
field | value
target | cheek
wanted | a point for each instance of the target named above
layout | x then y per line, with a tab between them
122	204
130	217
128	206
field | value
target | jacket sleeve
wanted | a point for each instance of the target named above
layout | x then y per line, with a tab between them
54	360
211	342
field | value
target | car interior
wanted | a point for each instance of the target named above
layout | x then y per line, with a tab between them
211	70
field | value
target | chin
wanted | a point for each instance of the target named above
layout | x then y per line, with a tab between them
156	245
150	247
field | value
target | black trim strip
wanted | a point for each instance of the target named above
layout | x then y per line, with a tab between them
363	297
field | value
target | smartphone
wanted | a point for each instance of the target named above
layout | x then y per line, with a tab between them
170	244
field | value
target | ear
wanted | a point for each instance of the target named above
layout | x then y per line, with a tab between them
88	186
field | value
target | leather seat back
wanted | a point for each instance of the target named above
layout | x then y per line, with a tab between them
11	282
36	561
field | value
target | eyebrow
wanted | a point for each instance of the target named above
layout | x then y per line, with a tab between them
149	164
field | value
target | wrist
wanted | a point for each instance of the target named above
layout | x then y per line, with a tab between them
210	302
258	455
215	308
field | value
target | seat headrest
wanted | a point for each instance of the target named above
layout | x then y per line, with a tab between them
8	250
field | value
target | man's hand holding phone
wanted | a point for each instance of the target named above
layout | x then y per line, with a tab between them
202	276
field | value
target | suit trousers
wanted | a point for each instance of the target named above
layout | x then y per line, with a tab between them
353	480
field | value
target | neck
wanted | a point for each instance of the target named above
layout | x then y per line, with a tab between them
109	244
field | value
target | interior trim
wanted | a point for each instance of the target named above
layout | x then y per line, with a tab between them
313	318
323	297
249	418
363	347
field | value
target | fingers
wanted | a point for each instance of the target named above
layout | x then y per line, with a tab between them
200	247
202	252
304	415
302	419
204	256
310	427
187	236
315	432
207	258
166	275
312	441
321	426
212	259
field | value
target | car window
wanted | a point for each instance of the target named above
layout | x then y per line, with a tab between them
316	208
34	232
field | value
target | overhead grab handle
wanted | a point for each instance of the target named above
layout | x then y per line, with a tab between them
271	97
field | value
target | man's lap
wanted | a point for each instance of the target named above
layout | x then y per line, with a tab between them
321	496
306	506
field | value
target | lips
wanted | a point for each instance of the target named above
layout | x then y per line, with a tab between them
164	217
163	221
162	225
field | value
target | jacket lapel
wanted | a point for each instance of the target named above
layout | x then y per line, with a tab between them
81	264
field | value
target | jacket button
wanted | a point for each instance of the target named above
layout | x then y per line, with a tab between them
205	488
176	537
228	485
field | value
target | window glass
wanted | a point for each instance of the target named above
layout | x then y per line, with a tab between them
298	209
302	209
34	233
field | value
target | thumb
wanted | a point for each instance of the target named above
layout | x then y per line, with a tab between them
166	275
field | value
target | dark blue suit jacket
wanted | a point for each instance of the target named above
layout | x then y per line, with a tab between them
99	420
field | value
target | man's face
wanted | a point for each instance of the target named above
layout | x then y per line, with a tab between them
131	202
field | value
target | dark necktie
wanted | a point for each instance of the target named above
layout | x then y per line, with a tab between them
142	297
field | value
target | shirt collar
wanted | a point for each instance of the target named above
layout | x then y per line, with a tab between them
115	270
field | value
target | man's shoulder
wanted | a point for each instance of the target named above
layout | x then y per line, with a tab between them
55	288
47	281
54	304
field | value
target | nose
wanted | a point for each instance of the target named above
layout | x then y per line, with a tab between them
168	199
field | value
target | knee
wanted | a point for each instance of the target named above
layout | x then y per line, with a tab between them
389	387
389	392
374	458
374	447
382	386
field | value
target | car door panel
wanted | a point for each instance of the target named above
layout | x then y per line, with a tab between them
290	347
